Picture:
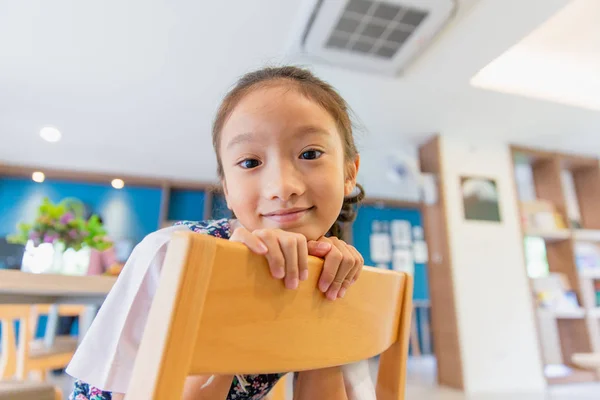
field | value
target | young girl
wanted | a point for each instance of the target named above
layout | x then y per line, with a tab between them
288	164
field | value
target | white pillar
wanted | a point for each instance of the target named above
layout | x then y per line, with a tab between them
497	332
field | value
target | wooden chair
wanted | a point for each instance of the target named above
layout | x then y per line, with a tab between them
64	310
8	349
217	310
21	360
11	359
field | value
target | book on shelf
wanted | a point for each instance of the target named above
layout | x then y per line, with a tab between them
541	215
587	256
554	292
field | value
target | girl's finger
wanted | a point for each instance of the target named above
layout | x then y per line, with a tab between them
254	243
345	268
319	248
360	262
330	268
289	248
274	255
302	257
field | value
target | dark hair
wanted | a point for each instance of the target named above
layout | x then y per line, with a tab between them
314	89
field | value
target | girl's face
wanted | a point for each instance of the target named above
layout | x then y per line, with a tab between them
283	163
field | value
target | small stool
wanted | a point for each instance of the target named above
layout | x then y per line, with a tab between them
589	361
17	390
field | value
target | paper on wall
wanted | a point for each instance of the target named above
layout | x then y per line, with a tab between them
420	252
403	261
418	233
401	233
381	248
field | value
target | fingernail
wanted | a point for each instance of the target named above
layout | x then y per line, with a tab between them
304	275
342	292
278	273
323	246
332	294
292	283
323	286
263	247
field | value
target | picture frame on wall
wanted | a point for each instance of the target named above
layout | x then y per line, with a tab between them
480	199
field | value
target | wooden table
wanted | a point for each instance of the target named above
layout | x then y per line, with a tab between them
18	287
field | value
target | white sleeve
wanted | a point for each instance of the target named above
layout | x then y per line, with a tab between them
107	353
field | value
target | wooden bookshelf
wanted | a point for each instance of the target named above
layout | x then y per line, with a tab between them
550	236
547	182
586	179
586	235
578	235
586	176
576	328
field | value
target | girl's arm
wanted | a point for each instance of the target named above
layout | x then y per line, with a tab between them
327	383
193	389
217	389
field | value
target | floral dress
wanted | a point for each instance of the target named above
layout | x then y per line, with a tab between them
245	387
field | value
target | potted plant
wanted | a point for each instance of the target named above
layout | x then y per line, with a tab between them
64	226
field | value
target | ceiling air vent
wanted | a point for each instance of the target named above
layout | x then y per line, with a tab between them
381	36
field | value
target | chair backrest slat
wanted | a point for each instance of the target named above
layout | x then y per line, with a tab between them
252	324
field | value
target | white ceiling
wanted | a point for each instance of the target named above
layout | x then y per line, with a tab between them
133	85
559	61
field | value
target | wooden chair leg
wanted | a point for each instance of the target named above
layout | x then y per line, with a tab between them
23	349
8	362
414	337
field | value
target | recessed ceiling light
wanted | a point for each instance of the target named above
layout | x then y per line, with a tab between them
50	134
118	183
38	177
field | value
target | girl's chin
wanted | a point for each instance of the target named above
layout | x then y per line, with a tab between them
311	231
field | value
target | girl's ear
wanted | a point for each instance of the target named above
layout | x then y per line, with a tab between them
351	174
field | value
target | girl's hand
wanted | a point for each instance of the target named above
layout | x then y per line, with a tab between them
343	264
286	252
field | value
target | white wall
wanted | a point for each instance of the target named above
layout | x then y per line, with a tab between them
377	157
496	325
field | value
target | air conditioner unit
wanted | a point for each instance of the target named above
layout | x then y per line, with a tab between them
379	36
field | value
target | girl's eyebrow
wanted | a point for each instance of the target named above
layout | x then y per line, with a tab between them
311	129
240	139
248	137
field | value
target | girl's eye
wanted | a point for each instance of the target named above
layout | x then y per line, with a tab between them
249	163
311	154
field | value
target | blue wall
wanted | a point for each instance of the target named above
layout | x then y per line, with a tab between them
129	213
361	231
186	205
219	207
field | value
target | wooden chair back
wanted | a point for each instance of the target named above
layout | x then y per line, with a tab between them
31	355
11	356
64	310
217	310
